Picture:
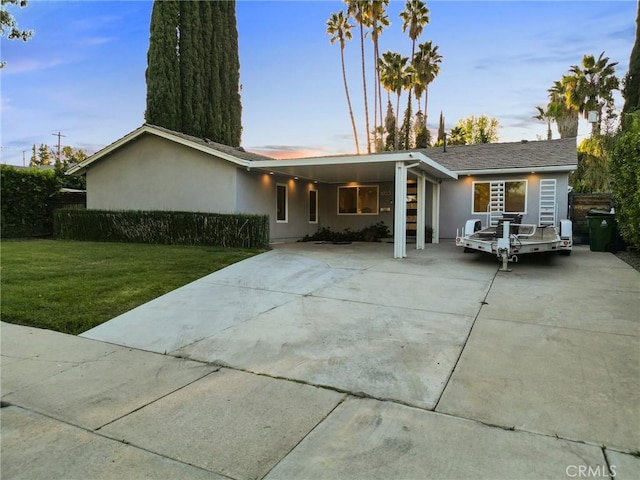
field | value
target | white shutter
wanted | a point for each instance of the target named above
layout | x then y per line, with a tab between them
547	207
496	202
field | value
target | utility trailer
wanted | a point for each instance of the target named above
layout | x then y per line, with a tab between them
510	238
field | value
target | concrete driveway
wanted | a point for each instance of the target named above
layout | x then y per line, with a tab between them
337	361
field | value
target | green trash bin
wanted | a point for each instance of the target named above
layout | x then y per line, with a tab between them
602	231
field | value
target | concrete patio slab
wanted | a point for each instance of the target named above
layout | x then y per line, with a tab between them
37	447
429	293
186	315
385	352
567	305
280	271
381	440
98	391
626	467
230	422
576	384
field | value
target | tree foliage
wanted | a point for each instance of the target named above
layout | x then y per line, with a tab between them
631	90
625	170
193	70
472	130
592	174
8	24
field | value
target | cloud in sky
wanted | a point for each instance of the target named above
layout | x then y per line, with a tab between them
284	152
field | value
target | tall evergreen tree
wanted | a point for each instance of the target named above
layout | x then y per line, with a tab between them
631	90
193	72
163	67
441	131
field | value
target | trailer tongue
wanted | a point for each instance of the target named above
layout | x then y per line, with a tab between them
511	238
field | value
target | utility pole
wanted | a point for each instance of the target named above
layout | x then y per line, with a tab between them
23	153
58	135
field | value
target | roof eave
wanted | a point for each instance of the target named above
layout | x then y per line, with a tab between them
82	166
541	169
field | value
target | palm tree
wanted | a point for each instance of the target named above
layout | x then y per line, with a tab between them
414	17
395	75
545	116
565	115
357	8
590	86
426	61
377	20
339	28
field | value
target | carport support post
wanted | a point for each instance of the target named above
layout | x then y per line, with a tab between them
421	191
400	212
435	212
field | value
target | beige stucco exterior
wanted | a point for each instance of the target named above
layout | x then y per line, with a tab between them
155	169
136	177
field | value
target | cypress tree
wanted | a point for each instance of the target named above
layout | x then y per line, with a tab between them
631	91
199	95
163	69
441	129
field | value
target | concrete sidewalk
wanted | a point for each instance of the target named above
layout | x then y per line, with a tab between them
337	361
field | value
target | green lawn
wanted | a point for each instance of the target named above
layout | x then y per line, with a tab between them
73	286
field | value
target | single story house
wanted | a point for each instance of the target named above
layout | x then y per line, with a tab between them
153	168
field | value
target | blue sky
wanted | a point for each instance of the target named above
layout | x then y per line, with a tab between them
82	74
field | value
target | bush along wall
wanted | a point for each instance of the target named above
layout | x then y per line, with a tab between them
175	228
27	201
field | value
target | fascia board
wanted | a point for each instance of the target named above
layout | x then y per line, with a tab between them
498	171
148	129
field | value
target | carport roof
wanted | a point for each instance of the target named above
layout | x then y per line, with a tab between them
354	168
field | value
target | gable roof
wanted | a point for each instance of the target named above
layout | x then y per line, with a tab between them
545	155
232	154
489	158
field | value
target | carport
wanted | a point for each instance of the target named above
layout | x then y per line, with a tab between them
380	167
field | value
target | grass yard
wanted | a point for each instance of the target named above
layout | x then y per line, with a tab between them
73	286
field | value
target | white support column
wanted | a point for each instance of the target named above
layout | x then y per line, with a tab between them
435	213
400	212
420	223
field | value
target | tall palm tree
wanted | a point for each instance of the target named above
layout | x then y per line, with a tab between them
339	28
544	114
565	115
426	61
590	86
357	9
414	17
377	20
395	75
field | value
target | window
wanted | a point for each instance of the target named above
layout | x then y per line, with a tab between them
514	192
282	207
313	206
358	200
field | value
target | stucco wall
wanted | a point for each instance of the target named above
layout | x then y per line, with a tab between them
257	194
152	173
456	199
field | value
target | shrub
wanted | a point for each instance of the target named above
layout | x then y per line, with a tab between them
174	228
625	167
27	199
372	233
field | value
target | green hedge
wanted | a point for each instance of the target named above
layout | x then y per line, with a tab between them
27	199
175	228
